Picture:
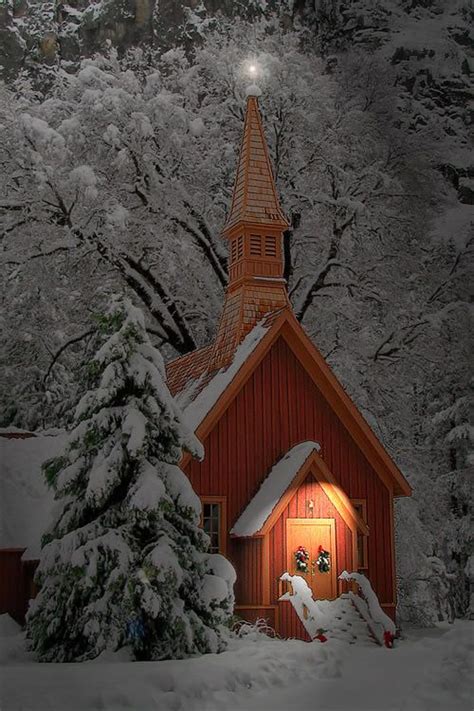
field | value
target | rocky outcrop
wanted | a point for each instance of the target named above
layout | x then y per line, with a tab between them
34	31
12	44
429	44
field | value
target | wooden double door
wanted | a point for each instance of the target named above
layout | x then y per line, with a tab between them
311	533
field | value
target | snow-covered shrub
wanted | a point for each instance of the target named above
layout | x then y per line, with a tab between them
125	562
253	630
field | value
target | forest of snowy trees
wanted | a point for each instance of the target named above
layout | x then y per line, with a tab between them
117	153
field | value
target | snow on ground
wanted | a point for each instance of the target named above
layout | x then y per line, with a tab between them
429	670
213	681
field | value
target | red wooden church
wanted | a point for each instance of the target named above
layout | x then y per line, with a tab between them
289	459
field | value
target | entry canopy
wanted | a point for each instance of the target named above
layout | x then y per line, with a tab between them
281	484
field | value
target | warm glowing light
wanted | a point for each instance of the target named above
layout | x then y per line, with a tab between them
252	72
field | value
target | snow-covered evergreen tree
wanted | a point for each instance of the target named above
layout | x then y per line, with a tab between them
125	561
447	491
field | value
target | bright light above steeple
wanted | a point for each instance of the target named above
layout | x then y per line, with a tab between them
254	70
251	68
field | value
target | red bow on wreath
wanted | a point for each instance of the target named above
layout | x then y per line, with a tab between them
301	559
323	560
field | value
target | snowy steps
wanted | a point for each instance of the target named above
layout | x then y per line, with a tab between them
340	619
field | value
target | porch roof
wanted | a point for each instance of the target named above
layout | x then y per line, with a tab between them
281	483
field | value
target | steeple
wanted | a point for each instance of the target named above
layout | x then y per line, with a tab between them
254	228
254	199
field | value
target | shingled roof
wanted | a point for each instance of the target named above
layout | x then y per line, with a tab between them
256	292
187	368
189	375
254	199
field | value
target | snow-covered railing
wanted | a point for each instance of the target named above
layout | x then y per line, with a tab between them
319	616
306	608
368	606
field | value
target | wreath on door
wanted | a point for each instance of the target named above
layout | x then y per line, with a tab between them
301	559
323	560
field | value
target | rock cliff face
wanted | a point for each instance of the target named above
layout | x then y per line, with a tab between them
32	31
430	46
12	44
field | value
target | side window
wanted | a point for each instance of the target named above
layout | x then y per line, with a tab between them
240	247
213	523
255	246
270	246
360	506
233	251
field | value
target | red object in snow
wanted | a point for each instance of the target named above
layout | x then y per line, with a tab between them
321	636
388	638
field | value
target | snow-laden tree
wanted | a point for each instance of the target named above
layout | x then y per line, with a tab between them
124	562
170	128
446	491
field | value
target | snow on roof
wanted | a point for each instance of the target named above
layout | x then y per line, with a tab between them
253	90
201	405
26	501
184	369
272	489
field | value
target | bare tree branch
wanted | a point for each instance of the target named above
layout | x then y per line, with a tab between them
61	350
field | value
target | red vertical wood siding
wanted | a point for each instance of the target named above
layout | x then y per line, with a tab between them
11	584
246	555
251	615
278	407
16	583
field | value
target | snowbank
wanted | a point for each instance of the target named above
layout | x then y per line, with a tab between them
429	671
8	626
213	681
25	500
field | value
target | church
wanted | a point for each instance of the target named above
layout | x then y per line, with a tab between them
290	463
293	479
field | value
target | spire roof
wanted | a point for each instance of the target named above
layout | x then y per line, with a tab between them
254	199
